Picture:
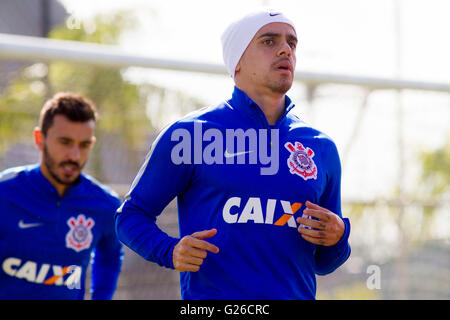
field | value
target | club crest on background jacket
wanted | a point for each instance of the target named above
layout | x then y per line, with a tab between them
79	236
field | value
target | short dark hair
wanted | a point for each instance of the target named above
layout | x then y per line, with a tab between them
71	105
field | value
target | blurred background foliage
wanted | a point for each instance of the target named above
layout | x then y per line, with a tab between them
436	170
121	104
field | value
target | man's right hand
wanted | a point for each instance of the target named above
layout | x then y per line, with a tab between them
189	252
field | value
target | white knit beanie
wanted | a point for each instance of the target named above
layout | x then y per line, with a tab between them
238	35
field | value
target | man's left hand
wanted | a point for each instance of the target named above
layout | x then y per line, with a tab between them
329	226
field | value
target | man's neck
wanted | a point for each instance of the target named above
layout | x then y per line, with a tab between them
60	188
272	104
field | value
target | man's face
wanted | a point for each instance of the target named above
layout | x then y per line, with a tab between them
65	149
269	60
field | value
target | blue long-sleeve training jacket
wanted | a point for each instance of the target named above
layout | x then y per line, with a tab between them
46	240
232	171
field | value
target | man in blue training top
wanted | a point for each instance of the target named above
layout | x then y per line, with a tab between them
53	217
258	190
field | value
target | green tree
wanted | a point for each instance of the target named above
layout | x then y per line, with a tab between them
434	184
436	170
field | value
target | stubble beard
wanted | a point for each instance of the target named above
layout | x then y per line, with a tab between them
51	165
279	84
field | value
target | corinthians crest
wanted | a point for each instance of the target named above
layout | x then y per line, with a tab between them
79	236
300	161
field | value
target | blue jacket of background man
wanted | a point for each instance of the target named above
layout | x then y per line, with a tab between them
47	241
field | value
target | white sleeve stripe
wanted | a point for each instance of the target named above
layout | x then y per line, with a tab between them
13	172
8	175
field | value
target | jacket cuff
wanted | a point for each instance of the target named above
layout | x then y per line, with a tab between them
344	239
